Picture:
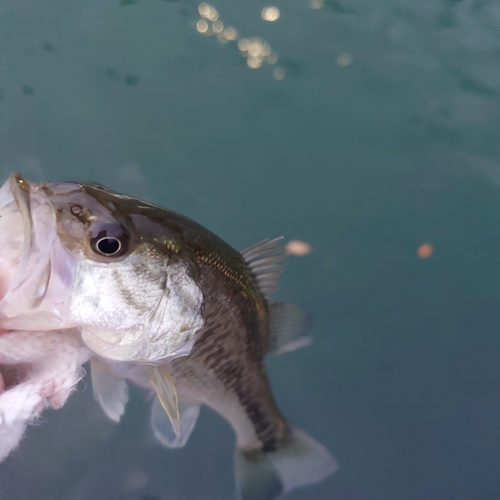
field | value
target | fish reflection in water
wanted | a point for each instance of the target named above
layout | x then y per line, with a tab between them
158	300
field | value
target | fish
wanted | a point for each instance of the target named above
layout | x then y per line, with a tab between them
161	302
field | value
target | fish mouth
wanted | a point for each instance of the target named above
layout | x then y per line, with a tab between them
21	192
27	232
12	233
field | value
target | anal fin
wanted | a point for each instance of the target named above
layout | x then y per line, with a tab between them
109	390
162	426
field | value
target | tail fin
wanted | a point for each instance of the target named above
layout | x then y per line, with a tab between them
266	477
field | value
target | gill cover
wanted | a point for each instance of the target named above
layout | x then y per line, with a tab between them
113	325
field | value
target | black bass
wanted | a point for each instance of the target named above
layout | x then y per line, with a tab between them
164	303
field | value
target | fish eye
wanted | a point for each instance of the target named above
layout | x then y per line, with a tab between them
110	241
108	246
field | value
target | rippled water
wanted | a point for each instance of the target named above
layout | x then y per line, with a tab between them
370	131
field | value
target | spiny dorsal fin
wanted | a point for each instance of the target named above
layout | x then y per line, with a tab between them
109	390
167	394
265	260
289	328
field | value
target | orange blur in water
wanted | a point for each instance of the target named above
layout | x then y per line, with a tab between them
425	251
298	247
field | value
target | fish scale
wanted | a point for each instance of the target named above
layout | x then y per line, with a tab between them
225	350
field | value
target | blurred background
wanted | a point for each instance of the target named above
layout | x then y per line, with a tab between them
367	130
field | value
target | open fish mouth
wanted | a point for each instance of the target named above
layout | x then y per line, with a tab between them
20	189
21	193
12	237
27	237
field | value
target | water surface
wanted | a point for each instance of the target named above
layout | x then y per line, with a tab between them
375	132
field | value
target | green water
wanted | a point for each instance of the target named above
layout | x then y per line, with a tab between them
382	136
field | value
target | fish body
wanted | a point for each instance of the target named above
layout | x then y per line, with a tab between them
162	302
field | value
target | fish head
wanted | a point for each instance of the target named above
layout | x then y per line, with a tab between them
83	256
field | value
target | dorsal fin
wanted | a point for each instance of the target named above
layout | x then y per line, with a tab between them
265	260
289	328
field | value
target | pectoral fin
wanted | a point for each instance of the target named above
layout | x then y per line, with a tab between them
167	394
162	426
109	390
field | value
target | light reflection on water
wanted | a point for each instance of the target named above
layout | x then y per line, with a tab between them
371	135
255	50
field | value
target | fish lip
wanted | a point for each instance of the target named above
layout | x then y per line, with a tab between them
26	195
19	185
20	188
